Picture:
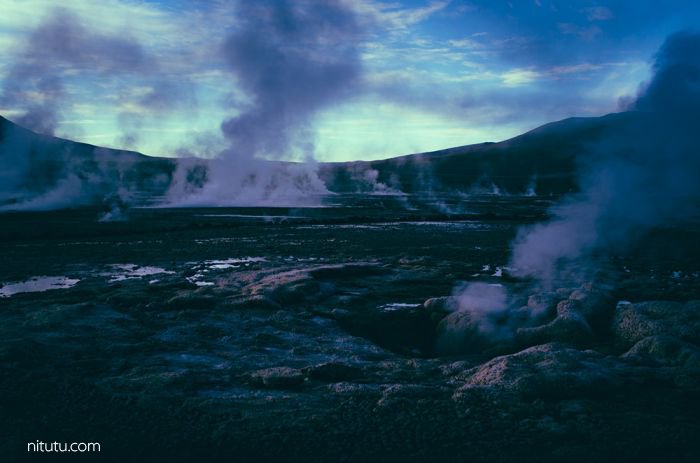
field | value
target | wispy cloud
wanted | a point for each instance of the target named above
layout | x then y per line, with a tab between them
476	63
598	13
394	17
584	32
518	77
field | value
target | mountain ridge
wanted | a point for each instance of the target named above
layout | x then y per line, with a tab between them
543	160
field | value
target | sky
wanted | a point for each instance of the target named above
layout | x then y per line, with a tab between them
326	80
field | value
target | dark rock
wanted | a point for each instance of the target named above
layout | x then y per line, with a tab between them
192	300
587	301
476	327
563	293
439	307
569	327
278	377
525	316
407	331
549	370
665	350
348	270
459	333
441	304
252	302
354	389
340	314
404	394
541	303
332	372
286	287
634	322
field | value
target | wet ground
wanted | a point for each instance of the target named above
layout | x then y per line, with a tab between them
282	334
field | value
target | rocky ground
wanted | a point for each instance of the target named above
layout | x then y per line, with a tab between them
331	335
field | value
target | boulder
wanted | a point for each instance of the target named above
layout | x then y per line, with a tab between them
563	293
586	301
439	307
549	370
633	322
665	350
568	327
403	395
541	303
459	332
289	287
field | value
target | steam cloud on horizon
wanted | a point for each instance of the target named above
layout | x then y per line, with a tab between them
61	45
292	59
33	175
631	180
642	177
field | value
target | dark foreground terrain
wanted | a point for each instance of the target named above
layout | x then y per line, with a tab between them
324	334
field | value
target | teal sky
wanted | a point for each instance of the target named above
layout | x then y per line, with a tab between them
433	74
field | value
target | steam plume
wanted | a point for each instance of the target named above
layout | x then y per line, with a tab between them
36	83
643	173
41	173
292	59
643	176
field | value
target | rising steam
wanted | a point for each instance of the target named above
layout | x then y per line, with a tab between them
44	173
646	175
643	174
292	59
36	83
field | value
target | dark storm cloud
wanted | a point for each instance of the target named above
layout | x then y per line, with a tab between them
61	45
643	174
292	58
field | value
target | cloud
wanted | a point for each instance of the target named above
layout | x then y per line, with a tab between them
517	77
59	46
575	68
62	48
393	17
598	13
583	32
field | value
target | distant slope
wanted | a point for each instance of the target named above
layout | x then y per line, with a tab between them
49	172
545	158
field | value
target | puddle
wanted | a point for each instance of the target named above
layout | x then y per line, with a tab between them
231	263
344	226
123	272
202	268
392	306
37	285
258	217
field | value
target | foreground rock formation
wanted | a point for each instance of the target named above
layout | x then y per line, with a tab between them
185	335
